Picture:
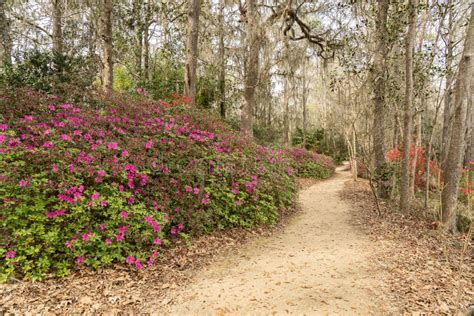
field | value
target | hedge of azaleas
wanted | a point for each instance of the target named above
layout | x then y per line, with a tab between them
113	184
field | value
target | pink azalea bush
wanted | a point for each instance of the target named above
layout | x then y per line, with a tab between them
84	185
307	164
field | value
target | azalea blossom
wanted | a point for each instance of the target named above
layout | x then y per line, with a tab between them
95	196
112	145
149	144
80	260
124	214
130	259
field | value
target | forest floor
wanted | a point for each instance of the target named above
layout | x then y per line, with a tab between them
333	256
320	263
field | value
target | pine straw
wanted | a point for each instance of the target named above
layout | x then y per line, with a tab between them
427	270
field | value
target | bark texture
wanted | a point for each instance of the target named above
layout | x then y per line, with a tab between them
221	54
6	44
190	76
462	97
57	26
379	71
107	45
251	66
286	93
405	194
448	88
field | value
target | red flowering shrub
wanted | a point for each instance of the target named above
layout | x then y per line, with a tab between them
93	186
395	157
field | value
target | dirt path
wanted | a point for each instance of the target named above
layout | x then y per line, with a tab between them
319	264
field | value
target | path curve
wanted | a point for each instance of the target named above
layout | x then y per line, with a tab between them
320	263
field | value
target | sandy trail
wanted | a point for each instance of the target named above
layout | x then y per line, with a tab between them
320	264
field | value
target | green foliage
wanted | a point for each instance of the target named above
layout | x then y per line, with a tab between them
167	76
317	140
123	80
266	134
45	71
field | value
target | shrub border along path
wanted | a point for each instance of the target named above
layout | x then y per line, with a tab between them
117	289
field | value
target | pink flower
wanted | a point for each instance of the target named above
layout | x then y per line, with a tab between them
143	179
80	260
53	214
188	188
3	127
102	227
11	254
157	241
154	254
112	145
120	236
72	168
238	202
138	264
2	138
103	203
205	199
48	145
66	106
124	215
196	190
130	168
101	173
28	118
55	168
150	262
66	137
95	196
123	229
108	242
124	153
86	236
51	107
69	244
130	260
23	183
149	144
131	200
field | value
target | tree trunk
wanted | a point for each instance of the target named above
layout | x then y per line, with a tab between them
57	27
251	66
379	69
462	97
354	153
417	145
107	45
146	46
190	76
448	87
469	154
137	12
221	54
6	43
286	93
405	194
396	128
304	100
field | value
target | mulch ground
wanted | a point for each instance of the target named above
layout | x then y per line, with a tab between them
427	271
